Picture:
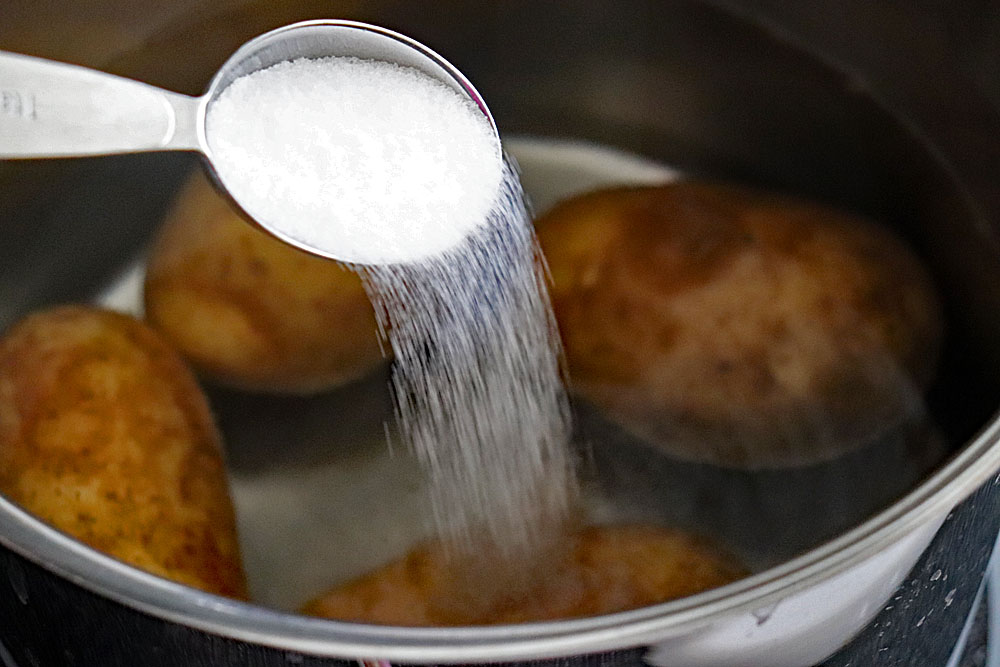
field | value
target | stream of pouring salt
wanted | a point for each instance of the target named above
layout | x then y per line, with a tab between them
477	381
407	175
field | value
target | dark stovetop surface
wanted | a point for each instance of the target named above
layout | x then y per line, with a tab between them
922	622
975	650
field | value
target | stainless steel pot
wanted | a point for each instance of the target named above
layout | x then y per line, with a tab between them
728	90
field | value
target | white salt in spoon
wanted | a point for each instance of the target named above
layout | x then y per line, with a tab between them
50	109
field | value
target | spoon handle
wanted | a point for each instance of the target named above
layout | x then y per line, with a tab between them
52	109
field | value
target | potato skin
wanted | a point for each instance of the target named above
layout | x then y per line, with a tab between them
605	569
738	327
105	435
250	311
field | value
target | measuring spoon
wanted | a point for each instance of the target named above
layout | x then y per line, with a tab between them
50	109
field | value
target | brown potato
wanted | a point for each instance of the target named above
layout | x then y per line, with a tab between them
607	569
737	327
105	435
250	311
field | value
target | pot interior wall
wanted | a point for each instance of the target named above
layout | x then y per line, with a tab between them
681	82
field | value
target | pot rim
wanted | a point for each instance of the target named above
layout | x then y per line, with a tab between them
173	602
